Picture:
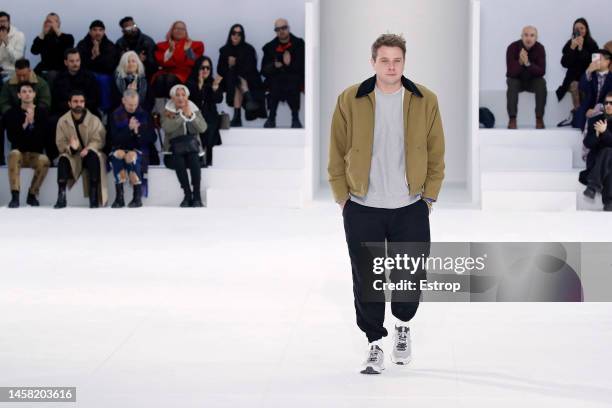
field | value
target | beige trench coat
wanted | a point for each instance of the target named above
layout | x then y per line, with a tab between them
94	135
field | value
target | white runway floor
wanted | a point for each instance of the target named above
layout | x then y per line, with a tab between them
187	308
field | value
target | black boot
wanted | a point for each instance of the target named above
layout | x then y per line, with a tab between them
590	192
93	195
270	122
237	119
249	103
187	199
607	207
137	198
31	200
209	153
14	199
119	201
197	199
61	197
295	121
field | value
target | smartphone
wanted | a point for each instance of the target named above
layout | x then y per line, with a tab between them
595	56
576	34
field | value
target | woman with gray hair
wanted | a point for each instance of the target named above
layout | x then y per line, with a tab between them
130	74
182	123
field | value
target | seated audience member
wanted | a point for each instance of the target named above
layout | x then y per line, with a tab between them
608	47
130	74
131	131
9	95
576	58
27	129
598	173
205	92
135	40
73	78
12	46
283	68
241	80
182	123
595	84
176	56
526	66
51	44
80	138
100	56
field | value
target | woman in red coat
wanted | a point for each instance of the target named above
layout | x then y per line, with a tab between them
176	57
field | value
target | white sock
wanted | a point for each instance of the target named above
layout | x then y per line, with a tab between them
376	343
400	323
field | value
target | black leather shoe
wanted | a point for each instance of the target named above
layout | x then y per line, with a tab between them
197	200
137	199
14	203
270	123
590	192
119	200
32	201
187	199
296	124
61	198
607	207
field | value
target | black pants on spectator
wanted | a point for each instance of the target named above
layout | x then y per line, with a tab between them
163	83
91	163
2	159
387	227
533	85
180	163
600	176
284	89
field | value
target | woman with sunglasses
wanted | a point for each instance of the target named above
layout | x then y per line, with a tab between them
206	93
241	80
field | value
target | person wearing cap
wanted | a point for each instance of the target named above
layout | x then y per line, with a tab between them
133	39
100	56
525	69
594	84
182	123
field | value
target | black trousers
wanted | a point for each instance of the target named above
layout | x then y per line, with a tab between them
391	226
180	163
284	89
91	162
2	159
533	85
600	176
163	83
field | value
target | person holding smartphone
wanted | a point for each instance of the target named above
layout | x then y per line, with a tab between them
595	83
576	58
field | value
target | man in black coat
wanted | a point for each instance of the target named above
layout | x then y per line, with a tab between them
283	68
598	173
75	77
135	40
98	53
28	131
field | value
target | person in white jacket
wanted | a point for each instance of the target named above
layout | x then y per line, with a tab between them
12	46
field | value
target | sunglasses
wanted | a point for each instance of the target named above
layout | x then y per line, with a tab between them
277	29
205	68
608	103
237	33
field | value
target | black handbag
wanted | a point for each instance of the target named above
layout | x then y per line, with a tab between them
184	144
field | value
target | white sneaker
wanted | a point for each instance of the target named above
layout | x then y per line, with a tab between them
401	345
375	361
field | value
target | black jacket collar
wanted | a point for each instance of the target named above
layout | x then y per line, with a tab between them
368	85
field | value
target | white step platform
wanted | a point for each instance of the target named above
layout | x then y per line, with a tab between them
532	170
252	168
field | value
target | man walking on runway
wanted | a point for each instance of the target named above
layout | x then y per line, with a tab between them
386	166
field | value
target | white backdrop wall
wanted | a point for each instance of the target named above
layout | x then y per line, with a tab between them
207	20
437	56
501	23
